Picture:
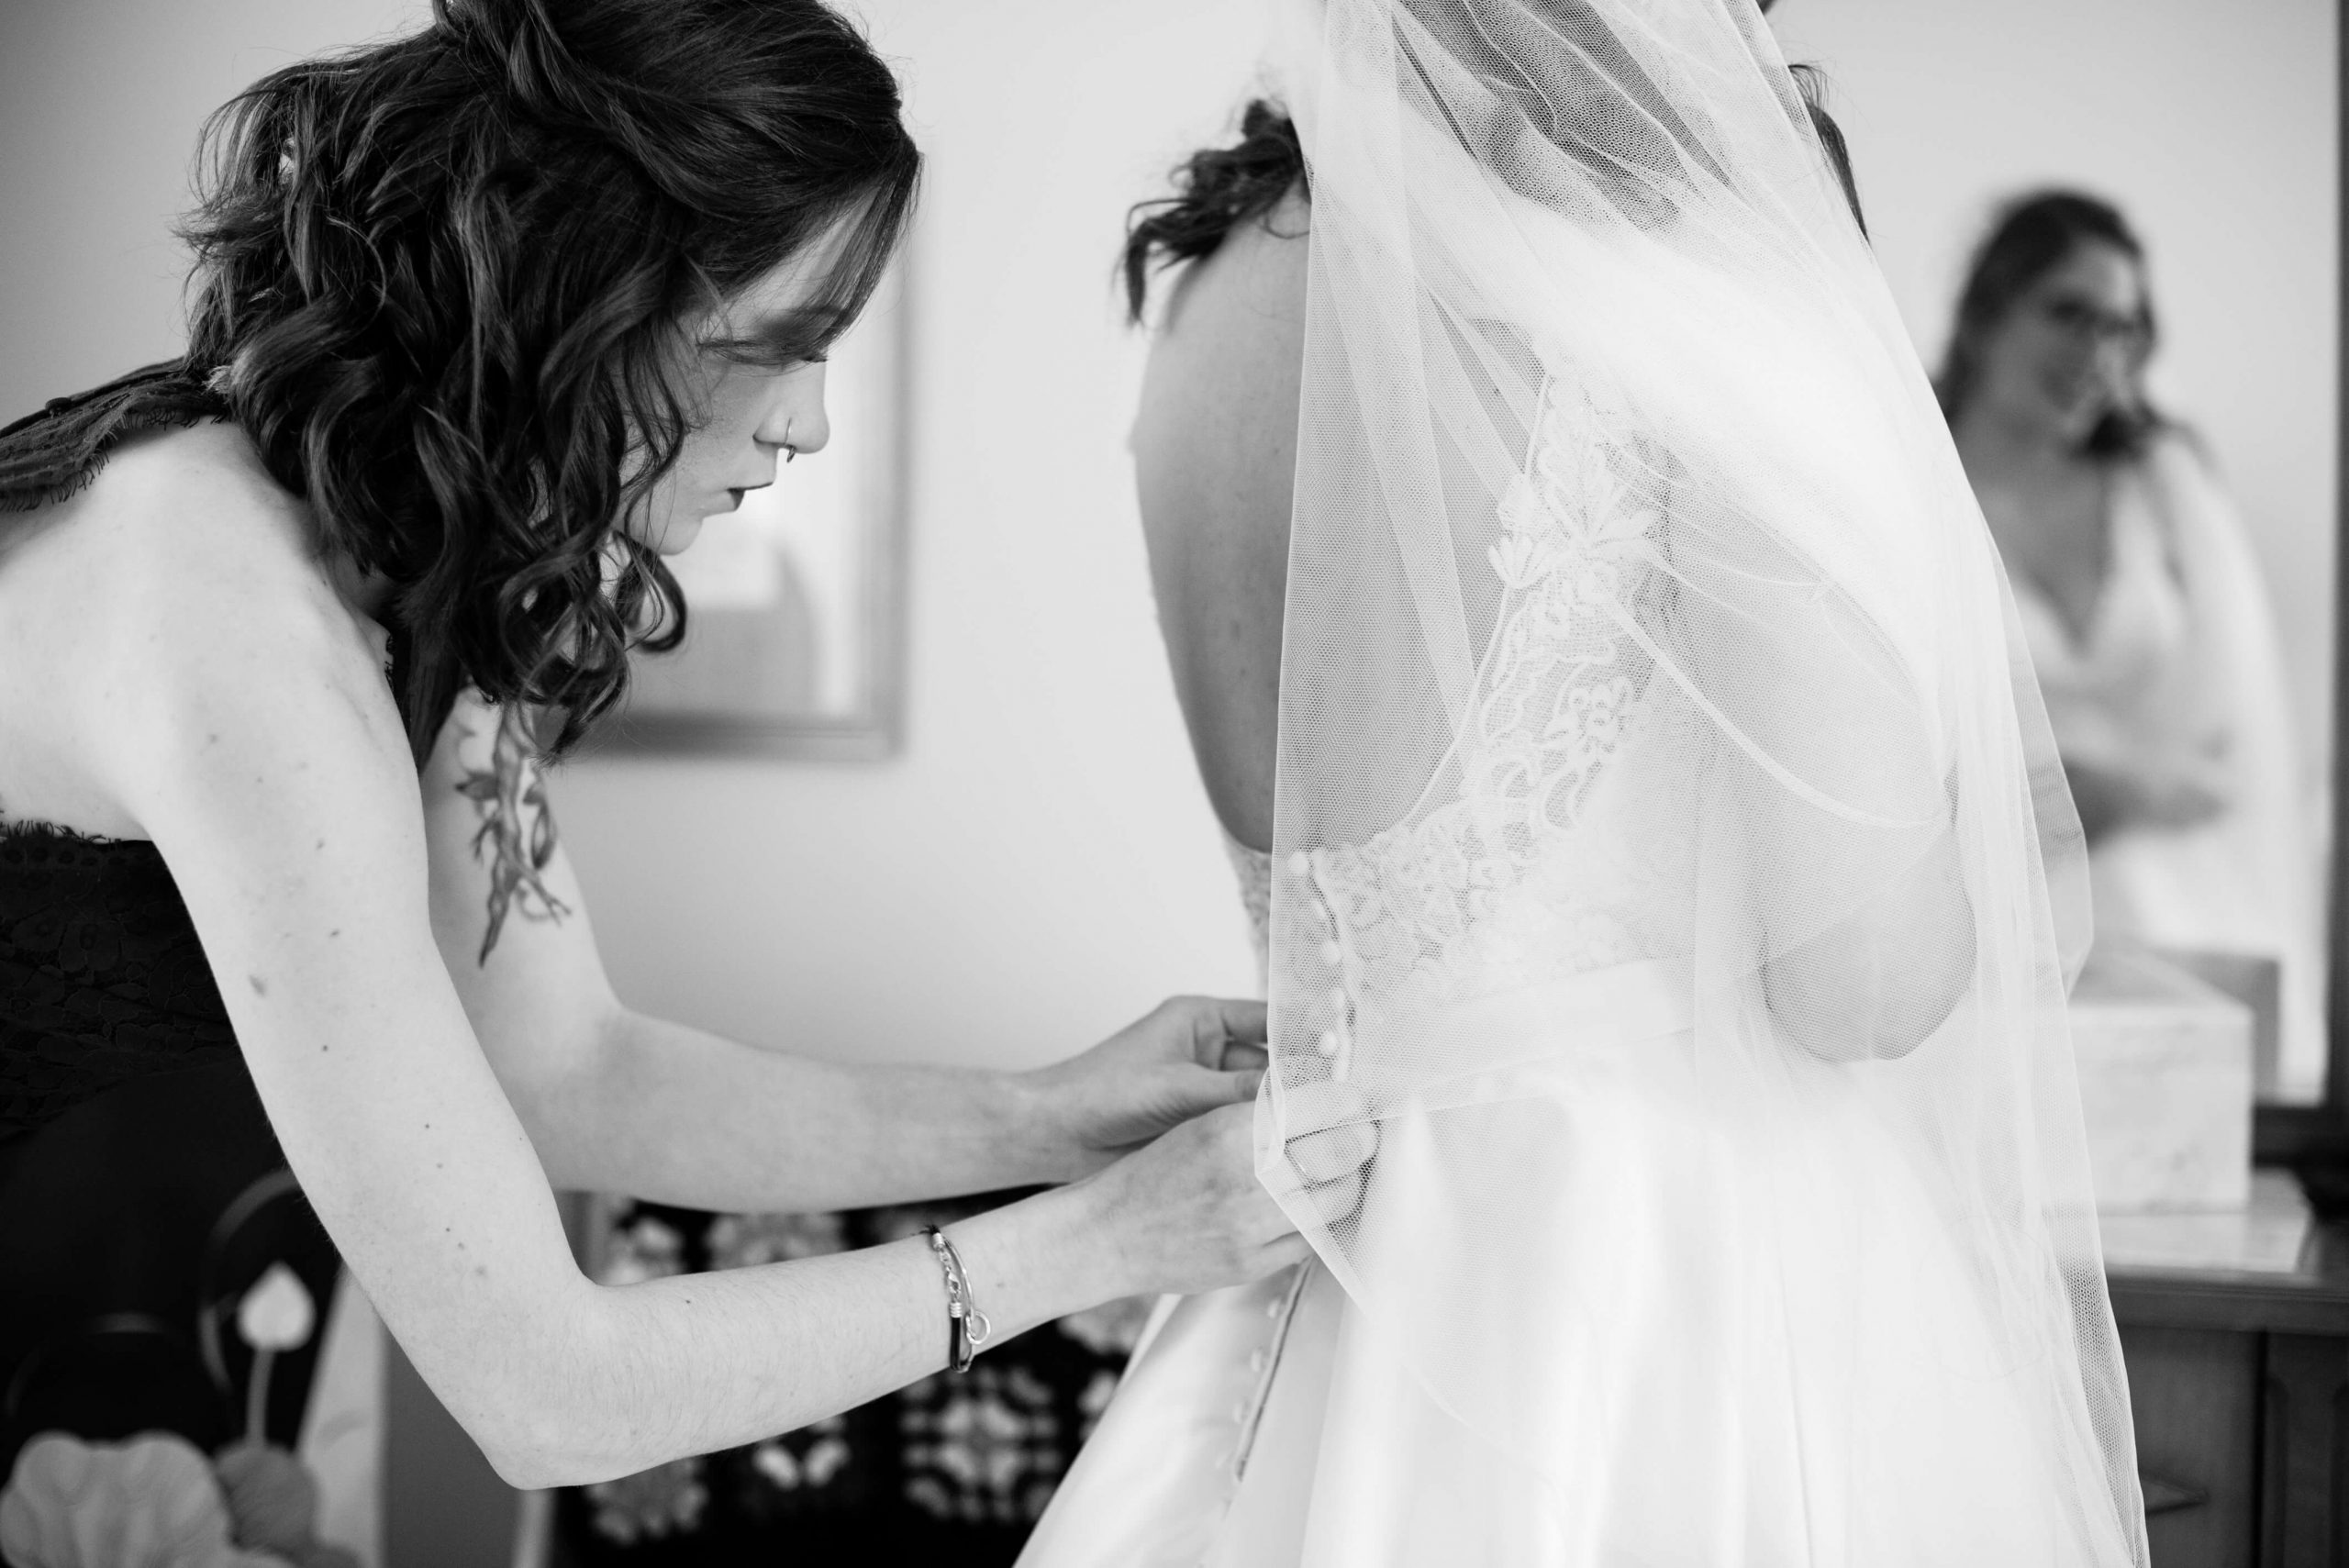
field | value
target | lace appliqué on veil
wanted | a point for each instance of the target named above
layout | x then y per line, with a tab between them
1470	891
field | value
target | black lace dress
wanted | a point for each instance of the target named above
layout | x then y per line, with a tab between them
141	1192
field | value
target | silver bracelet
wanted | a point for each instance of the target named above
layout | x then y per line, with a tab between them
967	1327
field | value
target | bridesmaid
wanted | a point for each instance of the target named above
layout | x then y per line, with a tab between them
485	319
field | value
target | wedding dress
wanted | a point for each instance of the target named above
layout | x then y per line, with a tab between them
1239	1402
1671	864
1208	1455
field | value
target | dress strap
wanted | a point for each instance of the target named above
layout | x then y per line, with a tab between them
48	456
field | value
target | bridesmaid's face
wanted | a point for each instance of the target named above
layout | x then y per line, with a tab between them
2069	351
751	377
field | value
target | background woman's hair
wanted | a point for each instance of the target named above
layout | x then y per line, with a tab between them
2032	236
441	282
1218	189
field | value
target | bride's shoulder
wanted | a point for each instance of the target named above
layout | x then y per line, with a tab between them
1229	348
1254	276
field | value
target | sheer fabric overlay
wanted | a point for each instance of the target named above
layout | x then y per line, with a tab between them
1671	858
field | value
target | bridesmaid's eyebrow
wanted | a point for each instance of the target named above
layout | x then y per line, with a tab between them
783	337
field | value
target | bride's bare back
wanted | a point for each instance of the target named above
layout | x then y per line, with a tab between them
1215	454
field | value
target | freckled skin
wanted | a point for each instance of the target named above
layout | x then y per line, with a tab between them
1215	453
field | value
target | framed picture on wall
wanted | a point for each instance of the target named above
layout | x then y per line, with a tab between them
797	602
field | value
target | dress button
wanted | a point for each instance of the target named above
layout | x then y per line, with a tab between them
1337	998
1328	1044
1332	952
1299	864
1256	1360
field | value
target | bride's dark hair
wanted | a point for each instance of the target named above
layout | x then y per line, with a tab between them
441	283
1220	188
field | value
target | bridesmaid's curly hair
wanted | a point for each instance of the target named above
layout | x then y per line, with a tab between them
441	283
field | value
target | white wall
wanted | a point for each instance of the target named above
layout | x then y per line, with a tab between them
1040	865
100	101
2215	129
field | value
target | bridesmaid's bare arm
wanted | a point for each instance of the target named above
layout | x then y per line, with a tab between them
615	1100
234	709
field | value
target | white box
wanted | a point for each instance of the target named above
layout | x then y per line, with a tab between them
2166	1085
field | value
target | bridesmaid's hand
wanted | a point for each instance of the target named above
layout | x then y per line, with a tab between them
1189	1213
1187	1056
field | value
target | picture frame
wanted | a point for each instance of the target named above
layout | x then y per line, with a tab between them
795	623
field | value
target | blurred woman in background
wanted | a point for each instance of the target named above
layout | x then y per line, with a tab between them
2140	602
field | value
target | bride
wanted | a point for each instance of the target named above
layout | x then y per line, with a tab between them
1591	643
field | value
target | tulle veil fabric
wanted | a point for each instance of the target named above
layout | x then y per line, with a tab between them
1671	857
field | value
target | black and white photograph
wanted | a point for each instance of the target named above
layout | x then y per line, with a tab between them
1271	784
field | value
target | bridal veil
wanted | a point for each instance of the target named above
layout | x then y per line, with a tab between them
1671	856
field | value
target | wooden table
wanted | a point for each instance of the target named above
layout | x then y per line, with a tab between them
2239	1380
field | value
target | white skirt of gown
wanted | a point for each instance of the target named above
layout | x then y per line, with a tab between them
1726	1379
